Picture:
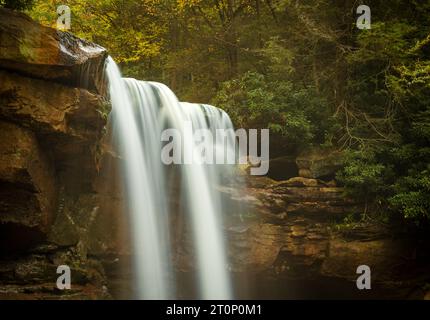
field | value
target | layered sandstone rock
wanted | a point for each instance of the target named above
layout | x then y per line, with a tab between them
54	209
52	109
294	230
27	189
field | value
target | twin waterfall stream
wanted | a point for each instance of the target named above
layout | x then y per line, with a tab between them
140	112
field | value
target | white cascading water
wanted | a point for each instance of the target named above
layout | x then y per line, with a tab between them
205	203
140	112
136	129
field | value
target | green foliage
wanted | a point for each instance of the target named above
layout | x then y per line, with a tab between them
350	221
363	176
412	195
296	115
388	113
291	113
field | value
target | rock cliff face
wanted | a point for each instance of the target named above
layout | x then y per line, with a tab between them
53	207
289	239
297	244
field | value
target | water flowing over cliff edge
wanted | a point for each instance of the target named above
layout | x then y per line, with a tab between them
62	198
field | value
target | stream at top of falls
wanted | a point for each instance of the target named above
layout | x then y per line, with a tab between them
141	110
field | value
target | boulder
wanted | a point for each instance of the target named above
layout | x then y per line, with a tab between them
31	49
50	108
319	163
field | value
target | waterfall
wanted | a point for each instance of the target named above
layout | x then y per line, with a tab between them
140	112
206	207
136	127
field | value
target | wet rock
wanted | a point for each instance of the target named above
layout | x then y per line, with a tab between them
45	53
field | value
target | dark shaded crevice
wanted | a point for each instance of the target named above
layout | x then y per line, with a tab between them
16	238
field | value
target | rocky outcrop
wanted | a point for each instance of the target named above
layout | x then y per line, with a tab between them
56	204
33	50
296	195
27	187
52	109
303	238
293	233
319	163
34	275
47	123
283	218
